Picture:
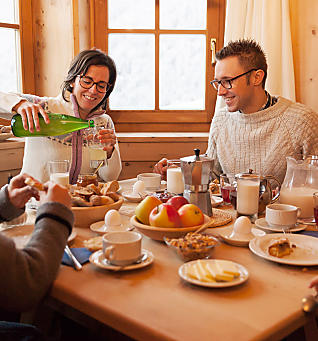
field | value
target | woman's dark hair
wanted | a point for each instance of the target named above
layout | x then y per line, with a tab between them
80	65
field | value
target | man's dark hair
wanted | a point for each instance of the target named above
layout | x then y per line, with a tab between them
249	53
80	65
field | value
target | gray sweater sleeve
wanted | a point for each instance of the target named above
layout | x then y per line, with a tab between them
7	210
26	274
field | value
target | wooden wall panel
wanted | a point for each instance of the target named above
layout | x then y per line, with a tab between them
304	27
53	49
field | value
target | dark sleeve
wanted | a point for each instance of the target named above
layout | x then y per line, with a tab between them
7	210
26	274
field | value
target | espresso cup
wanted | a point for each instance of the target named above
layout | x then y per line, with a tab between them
122	247
281	215
152	181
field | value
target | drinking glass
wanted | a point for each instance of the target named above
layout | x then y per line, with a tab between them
228	189
95	147
59	171
248	195
315	196
175	182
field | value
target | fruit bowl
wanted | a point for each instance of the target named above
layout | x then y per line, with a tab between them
192	246
158	233
85	216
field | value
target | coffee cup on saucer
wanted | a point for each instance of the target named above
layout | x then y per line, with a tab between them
282	215
152	181
122	247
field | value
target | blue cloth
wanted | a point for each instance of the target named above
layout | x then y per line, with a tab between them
310	233
13	331
81	253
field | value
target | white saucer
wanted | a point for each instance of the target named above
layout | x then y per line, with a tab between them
216	201
99	227
239	240
263	224
132	197
98	259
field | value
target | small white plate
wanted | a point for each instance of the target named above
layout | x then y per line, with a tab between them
305	253
99	227
239	241
132	197
98	259
263	224
216	201
183	273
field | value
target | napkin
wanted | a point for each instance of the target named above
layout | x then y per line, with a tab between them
310	233
81	253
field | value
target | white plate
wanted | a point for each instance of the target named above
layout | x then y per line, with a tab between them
239	280
305	253
98	259
22	234
99	226
130	196
239	241
263	224
4	136
216	201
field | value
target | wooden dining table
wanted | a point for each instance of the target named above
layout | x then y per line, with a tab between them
154	303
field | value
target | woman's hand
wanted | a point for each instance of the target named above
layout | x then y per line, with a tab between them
108	139
161	168
30	115
20	193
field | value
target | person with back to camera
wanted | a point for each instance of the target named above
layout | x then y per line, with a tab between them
255	130
88	84
26	274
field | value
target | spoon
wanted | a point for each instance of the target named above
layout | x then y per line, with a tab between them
98	167
203	227
309	303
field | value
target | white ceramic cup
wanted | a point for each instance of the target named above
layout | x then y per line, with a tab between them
282	215
122	247
152	181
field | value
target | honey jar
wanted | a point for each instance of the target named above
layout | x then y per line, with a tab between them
87	179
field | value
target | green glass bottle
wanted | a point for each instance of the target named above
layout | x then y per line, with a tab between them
60	124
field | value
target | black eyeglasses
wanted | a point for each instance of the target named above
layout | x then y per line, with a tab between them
87	82
227	83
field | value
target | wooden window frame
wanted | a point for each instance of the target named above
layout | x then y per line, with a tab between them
26	45
99	39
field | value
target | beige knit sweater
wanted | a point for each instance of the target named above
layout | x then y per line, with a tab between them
262	140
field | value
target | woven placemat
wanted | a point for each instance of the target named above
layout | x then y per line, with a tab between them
219	218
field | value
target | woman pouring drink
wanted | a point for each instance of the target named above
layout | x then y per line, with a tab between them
85	91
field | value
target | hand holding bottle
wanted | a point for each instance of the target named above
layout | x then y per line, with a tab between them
29	113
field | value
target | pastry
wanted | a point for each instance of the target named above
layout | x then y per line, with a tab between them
280	248
35	184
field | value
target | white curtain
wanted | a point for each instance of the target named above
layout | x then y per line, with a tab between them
268	23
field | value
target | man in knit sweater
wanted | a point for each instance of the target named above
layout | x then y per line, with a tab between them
26	274
255	130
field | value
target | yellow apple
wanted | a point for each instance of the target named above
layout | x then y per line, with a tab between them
191	215
165	215
144	208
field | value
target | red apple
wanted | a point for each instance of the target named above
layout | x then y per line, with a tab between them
164	215
191	215
144	208
177	201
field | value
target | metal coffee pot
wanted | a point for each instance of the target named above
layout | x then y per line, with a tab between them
266	191
197	171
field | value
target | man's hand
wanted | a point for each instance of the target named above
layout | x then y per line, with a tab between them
55	193
19	192
314	283
161	168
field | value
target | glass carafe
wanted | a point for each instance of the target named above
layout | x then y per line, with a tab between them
301	181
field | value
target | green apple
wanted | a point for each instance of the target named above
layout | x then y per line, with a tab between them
144	208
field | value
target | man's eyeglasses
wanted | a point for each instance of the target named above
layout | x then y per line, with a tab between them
87	82
227	83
